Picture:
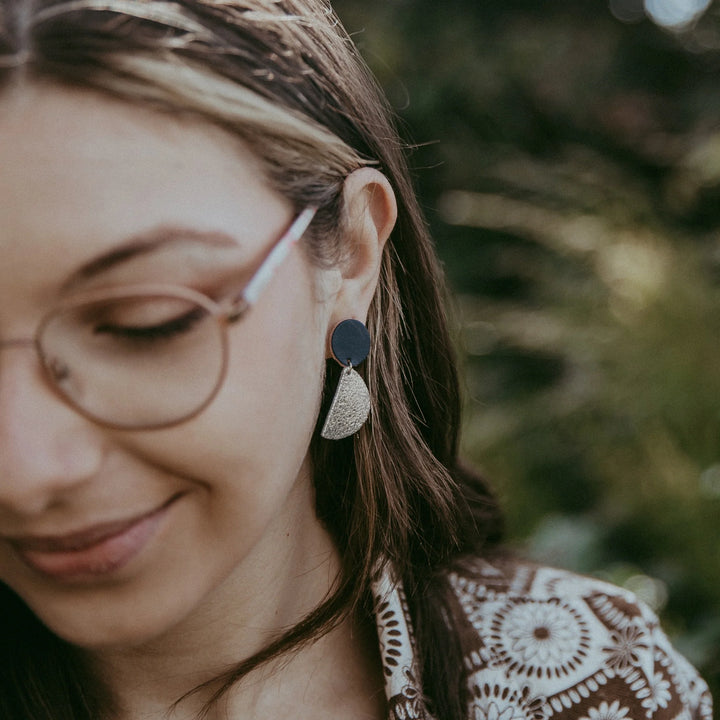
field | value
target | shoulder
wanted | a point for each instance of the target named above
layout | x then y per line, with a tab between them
545	643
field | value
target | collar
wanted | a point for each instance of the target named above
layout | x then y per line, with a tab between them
397	649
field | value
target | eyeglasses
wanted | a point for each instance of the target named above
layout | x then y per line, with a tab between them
147	356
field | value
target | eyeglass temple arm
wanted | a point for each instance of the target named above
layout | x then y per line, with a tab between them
273	261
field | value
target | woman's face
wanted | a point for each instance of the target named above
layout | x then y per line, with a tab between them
114	537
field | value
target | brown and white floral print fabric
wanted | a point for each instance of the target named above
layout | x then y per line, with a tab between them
541	643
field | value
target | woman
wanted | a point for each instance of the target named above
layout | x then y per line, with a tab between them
204	203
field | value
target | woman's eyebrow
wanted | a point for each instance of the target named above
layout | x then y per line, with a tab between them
144	244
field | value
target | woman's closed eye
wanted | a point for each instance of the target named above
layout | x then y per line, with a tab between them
147	327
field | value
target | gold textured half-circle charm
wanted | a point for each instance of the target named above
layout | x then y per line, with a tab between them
349	409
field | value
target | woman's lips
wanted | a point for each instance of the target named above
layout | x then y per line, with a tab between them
92	553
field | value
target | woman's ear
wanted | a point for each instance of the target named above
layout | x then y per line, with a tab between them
370	212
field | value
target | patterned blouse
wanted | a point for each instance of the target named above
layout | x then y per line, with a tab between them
541	643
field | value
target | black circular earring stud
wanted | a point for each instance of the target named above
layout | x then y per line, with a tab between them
350	342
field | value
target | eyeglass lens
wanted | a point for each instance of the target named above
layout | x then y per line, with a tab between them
136	361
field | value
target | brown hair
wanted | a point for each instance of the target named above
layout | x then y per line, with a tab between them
284	77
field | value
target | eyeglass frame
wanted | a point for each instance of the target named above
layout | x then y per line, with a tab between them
226	312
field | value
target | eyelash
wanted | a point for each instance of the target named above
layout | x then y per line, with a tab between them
166	330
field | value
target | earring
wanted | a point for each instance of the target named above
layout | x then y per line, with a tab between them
350	407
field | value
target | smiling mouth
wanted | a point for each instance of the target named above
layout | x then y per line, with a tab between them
93	553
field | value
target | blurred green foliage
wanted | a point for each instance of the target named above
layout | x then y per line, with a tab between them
569	162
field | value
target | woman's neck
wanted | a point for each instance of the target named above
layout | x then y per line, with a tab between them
339	670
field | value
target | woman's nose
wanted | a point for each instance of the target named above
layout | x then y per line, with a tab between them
46	448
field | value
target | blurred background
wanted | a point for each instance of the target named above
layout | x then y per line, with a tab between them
568	158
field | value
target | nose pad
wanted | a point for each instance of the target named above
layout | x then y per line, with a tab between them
46	448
